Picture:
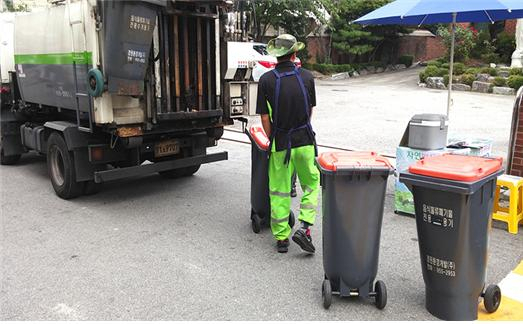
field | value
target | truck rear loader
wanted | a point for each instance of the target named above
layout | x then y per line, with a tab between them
113	89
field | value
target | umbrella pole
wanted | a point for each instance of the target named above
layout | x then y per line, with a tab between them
451	72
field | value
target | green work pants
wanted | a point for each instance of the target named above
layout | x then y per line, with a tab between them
280	174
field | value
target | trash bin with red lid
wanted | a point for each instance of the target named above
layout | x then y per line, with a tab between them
453	197
353	196
260	199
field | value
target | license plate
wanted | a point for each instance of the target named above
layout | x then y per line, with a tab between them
166	148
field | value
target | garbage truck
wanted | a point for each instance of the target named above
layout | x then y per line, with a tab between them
113	89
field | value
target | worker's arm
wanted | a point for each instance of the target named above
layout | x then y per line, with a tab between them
266	122
312	94
262	108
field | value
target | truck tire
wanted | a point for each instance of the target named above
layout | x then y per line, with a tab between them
8	160
60	166
179	173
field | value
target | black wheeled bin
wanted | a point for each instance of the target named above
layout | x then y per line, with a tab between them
453	197
353	196
260	199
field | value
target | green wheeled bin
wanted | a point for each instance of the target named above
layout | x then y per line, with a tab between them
453	198
353	195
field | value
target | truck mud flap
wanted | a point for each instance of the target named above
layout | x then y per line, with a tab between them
145	169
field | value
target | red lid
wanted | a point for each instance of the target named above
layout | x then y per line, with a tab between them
258	134
457	167
334	161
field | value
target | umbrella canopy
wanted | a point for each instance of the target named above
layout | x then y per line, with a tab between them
419	12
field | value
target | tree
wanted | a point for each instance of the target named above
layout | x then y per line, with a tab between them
294	16
356	40
14	8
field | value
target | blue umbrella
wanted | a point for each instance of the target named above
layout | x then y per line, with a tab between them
419	12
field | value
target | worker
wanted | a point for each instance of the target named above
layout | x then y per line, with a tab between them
286	97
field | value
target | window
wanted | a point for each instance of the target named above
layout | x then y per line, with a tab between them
262	49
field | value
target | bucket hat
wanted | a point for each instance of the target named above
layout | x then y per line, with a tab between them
283	45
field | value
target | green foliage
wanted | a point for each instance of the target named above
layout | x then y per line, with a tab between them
356	40
500	82
443	60
505	45
287	14
489	70
516	71
465	40
482	45
432	71
459	68
467	79
407	60
472	71
515	81
446	79
422	77
434	63
11	7
491	58
330	68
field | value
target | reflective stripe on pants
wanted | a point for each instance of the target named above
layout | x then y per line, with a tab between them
280	175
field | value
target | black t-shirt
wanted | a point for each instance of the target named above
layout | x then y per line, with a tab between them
291	109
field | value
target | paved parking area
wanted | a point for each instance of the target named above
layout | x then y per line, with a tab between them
155	249
372	112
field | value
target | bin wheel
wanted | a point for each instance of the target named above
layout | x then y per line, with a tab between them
492	298
292	219
255	222
326	293
381	294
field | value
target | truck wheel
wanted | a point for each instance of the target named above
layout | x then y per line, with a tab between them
8	160
60	165
178	173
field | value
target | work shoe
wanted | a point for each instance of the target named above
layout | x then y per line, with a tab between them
283	246
293	192
304	240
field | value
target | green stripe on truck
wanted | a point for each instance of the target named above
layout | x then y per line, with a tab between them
53	59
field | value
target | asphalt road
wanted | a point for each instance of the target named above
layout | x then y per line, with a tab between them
372	112
155	249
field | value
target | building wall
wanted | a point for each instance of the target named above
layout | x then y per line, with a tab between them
422	48
510	26
318	48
